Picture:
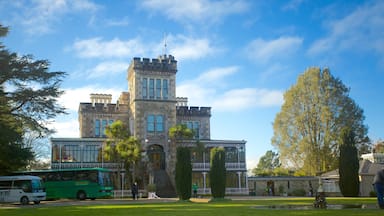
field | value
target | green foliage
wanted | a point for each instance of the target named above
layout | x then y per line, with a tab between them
183	173
379	147
120	146
180	132
349	165
314	112
268	163
217	174
298	192
28	101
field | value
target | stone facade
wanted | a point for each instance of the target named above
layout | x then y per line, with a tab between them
151	108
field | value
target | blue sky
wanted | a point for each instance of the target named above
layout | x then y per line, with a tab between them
238	57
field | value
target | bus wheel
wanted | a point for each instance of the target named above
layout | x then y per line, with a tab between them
81	195
24	200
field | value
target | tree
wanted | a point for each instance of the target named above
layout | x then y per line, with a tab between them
314	112
180	132
378	147
177	134
268	163
349	164
28	101
183	173
217	174
121	147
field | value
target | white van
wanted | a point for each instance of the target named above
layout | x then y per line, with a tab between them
23	189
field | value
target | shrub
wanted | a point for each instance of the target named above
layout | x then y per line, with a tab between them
217	174
183	173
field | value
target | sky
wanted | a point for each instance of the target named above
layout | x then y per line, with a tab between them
238	57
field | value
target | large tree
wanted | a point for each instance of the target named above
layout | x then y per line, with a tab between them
349	164
28	101
121	147
268	163
308	127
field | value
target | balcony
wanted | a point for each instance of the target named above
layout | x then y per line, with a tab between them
67	165
228	166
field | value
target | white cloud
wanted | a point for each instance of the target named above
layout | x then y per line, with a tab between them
39	16
292	4
69	128
197	10
217	73
73	97
115	48
264	51
183	47
361	29
210	89
238	99
108	68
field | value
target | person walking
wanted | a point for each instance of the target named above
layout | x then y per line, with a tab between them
134	190
378	183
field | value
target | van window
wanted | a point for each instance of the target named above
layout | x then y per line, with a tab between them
25	185
5	185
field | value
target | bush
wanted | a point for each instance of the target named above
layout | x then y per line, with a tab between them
183	173
217	174
298	192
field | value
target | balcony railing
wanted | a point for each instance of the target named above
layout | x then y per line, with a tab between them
112	166
228	166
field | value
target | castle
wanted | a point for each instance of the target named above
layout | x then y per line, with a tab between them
150	108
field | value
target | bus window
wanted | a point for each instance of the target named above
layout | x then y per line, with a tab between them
25	185
67	176
4	185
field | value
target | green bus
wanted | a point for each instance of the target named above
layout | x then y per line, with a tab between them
81	183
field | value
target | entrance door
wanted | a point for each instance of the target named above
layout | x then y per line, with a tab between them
156	157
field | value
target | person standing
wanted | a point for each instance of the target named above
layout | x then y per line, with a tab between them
194	188
134	190
378	183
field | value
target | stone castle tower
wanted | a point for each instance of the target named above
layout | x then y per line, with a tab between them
152	87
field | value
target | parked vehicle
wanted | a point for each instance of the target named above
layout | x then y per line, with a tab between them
23	189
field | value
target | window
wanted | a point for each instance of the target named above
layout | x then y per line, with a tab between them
90	153
195	127
159	123
97	128
103	126
158	88
144	88
151	88
151	123
155	123
165	89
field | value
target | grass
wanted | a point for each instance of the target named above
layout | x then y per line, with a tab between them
201	207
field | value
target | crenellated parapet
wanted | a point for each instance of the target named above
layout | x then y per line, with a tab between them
193	111
161	64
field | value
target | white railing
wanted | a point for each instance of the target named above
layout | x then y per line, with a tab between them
228	166
68	165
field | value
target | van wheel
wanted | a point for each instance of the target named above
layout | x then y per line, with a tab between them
24	200
81	195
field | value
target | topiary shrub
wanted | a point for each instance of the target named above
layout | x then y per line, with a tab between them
183	173
217	174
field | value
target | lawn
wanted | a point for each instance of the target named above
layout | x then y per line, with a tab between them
200	207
